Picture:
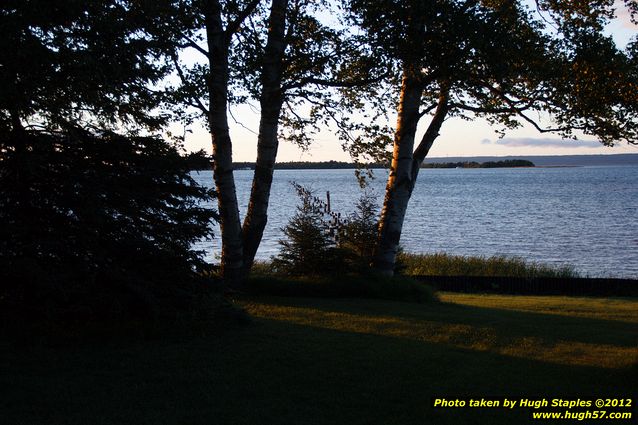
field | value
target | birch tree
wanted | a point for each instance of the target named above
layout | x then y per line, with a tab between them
551	67
284	57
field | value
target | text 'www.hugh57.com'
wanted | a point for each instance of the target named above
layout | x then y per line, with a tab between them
541	408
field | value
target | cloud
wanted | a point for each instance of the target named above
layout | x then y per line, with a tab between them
543	143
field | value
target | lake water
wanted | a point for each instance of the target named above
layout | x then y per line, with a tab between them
585	217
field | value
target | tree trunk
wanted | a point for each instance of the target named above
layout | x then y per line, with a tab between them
218	44
405	168
400	181
271	101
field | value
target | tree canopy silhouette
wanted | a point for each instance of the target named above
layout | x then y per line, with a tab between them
551	67
92	220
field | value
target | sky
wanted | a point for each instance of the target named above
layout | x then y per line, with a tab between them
457	137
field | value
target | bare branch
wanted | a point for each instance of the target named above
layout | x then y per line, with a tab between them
195	100
482	110
193	44
520	112
230	111
233	26
428	109
548	130
292	111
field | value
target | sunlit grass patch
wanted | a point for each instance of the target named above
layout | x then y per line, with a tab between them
480	324
621	309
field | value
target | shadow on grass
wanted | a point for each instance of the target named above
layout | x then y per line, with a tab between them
277	372
506	322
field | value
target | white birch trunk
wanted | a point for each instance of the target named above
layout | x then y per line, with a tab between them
405	169
230	225
271	101
400	180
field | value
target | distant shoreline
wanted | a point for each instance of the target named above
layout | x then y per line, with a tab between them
559	166
200	162
337	165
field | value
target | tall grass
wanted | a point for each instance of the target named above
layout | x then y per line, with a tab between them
441	264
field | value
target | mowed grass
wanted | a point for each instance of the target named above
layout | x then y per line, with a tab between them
335	361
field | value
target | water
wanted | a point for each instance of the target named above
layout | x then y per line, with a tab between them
584	217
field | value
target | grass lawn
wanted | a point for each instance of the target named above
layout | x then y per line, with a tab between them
335	361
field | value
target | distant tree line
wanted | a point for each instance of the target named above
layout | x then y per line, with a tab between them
510	163
202	161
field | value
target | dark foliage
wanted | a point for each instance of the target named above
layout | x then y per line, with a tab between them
81	61
308	248
98	225
322	242
358	235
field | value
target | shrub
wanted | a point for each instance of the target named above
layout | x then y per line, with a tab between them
308	245
327	256
358	235
98	224
321	242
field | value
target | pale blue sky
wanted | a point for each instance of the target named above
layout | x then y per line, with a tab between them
458	137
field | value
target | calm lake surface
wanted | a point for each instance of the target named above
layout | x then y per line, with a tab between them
585	217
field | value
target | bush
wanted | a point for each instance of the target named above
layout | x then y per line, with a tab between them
321	242
331	257
98	225
358	235
308	248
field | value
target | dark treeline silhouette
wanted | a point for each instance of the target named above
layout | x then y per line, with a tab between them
201	161
309	165
198	162
473	164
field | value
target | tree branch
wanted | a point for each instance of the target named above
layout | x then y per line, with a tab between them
233	26
428	109
196	101
330	110
549	130
482	110
329	83
193	44
520	112
435	125
230	111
